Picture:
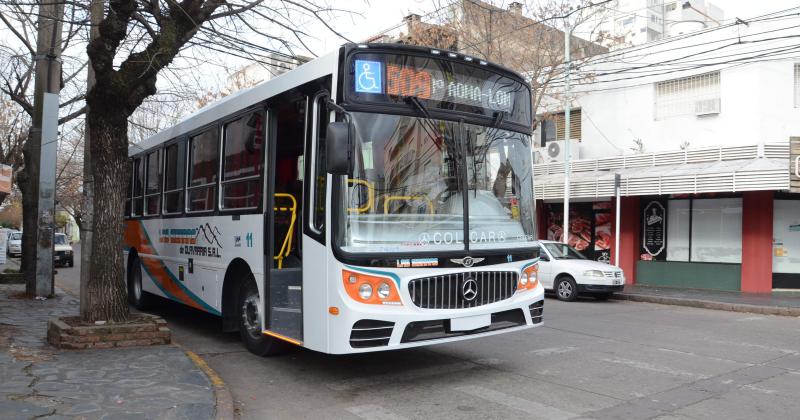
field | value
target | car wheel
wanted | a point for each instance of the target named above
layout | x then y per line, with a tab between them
566	289
250	322
137	297
603	296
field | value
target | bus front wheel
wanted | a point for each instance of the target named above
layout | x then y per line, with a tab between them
250	322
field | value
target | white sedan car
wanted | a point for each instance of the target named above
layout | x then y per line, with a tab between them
567	272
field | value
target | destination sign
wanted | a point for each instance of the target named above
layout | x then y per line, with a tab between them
439	83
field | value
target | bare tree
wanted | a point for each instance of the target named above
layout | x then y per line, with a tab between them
16	83
139	42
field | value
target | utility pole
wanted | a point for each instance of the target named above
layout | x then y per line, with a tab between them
44	134
567	112
87	206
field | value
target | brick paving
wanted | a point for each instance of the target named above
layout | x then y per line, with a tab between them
38	381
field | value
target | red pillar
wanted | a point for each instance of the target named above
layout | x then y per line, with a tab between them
630	237
541	219
757	213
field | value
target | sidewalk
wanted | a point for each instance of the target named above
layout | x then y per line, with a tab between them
776	303
39	381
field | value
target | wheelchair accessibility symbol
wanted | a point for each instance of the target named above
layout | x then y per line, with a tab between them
369	76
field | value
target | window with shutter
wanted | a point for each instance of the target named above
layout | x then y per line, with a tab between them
574	125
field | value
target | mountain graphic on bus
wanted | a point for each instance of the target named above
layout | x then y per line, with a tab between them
209	233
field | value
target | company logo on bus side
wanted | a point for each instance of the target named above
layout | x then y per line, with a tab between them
202	241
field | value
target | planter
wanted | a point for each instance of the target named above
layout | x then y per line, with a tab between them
12	278
140	330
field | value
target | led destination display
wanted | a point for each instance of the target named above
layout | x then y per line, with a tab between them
439	84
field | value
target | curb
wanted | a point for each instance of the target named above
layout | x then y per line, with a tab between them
708	304
224	403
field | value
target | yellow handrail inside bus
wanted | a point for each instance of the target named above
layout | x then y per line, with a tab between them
370	196
391	198
286	248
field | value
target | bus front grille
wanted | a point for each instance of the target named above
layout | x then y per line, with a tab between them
462	290
371	333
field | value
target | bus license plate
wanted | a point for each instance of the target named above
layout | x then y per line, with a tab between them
470	323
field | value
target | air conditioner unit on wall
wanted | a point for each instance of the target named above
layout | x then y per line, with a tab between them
706	106
555	151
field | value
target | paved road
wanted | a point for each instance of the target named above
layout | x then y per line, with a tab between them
592	359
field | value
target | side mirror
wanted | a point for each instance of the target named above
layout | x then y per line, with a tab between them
543	257
337	148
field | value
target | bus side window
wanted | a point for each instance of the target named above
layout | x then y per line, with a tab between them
320	174
152	196
129	189
242	165
203	157
138	187
174	175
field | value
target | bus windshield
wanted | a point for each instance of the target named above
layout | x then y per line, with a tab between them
414	178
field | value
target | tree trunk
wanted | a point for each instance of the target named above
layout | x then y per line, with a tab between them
28	182
106	290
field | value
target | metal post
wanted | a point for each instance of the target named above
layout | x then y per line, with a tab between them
567	112
617	182
45	124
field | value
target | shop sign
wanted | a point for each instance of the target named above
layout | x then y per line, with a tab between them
654	229
794	165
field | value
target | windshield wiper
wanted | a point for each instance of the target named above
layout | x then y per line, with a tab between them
418	105
499	117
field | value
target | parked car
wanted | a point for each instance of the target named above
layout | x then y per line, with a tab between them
569	273
14	244
62	251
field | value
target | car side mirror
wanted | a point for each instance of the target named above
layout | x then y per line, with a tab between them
543	257
338	148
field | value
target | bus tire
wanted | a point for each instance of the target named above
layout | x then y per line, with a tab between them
137	297
250	322
566	288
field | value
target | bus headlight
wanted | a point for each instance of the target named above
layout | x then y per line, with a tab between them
384	290
528	278
372	289
365	291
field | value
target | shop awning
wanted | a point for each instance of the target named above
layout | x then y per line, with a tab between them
590	180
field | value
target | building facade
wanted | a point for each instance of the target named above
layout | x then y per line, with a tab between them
635	22
693	134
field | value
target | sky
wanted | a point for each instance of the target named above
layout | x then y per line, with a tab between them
377	15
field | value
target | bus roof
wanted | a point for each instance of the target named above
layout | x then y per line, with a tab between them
312	70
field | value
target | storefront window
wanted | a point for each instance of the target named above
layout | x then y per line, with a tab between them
678	230
717	230
697	230
786	237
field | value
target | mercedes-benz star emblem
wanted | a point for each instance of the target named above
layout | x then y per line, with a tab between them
467	261
469	290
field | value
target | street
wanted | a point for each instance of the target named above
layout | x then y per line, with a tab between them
592	359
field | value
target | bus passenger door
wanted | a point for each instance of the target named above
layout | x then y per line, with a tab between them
284	291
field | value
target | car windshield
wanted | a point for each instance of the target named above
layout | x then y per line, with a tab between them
410	189
16	236
61	239
563	252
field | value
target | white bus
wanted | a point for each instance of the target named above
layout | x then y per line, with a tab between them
376	198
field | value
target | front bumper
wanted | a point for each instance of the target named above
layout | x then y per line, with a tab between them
364	329
599	288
